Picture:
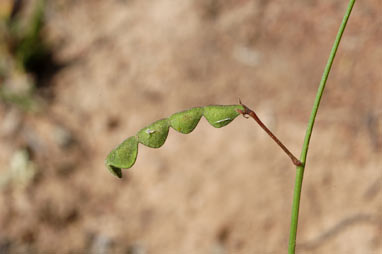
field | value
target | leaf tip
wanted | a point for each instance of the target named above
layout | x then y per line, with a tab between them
116	171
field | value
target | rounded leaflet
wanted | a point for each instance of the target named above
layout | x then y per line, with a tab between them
123	156
155	134
219	116
186	121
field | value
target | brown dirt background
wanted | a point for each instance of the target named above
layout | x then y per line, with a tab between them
216	191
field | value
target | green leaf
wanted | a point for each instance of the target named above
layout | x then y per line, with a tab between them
155	134
186	121
123	156
219	116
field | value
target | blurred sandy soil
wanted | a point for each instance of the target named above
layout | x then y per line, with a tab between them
229	190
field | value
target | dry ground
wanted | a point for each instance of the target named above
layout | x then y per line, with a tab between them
225	190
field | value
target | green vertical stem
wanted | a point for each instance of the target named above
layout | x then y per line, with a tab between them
300	169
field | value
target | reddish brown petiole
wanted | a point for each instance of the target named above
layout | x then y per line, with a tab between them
248	112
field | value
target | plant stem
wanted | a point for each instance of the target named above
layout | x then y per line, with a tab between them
249	112
300	169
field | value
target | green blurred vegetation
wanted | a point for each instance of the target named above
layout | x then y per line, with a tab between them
23	52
